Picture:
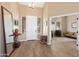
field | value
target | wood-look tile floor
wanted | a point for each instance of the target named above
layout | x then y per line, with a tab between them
59	48
64	47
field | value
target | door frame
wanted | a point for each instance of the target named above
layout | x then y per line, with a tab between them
49	30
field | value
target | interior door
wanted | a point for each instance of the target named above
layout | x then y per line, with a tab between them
31	28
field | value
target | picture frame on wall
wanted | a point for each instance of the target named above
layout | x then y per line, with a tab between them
74	25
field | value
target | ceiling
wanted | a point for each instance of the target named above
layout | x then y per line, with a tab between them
36	4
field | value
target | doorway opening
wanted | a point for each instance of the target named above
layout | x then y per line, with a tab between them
63	32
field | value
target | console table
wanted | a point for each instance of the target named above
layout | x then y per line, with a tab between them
43	39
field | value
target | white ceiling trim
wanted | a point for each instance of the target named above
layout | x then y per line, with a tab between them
74	13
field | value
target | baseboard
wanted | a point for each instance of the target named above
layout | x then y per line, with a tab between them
22	40
48	43
26	40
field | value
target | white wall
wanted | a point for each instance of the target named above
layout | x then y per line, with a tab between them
71	19
64	24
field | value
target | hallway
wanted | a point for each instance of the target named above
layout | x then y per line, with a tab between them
35	49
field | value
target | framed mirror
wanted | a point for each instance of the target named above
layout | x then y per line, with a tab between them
7	20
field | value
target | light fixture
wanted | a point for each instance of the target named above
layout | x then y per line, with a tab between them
31	5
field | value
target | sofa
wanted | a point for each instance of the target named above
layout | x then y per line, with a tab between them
70	35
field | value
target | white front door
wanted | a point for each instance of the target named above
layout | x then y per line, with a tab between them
31	28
